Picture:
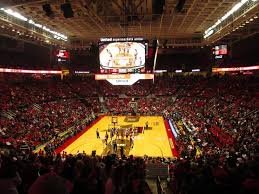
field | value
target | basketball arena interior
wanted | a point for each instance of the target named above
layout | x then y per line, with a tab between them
129	96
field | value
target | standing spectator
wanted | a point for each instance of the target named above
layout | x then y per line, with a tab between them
9	176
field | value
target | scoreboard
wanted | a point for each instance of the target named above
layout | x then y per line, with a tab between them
122	60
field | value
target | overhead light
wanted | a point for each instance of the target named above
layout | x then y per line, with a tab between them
208	34
21	17
67	10
47	8
251	19
196	70
255	16
14	14
247	22
235	8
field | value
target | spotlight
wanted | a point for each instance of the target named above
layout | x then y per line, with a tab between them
67	10
180	5
158	6
47	8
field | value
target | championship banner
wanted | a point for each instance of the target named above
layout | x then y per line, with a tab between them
123	79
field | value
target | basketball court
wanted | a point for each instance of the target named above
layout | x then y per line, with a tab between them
153	142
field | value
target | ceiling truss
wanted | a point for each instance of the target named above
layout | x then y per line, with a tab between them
101	18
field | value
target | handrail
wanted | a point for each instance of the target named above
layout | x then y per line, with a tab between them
160	189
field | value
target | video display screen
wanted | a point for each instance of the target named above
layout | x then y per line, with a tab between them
63	54
122	57
220	50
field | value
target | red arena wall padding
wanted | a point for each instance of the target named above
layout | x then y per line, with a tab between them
171	139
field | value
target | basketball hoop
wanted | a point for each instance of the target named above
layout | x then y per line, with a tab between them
114	120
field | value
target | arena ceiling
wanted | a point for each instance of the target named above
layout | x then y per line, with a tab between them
92	19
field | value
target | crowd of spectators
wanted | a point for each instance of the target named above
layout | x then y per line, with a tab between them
216	120
34	112
224	119
63	174
142	106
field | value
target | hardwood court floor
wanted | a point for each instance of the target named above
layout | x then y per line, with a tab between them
154	142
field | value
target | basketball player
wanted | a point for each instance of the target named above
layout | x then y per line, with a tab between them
147	125
109	52
122	134
135	55
109	63
111	133
127	133
106	137
131	141
121	151
97	133
140	61
117	134
132	132
114	146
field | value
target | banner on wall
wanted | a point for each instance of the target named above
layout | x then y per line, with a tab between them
123	79
5	70
215	70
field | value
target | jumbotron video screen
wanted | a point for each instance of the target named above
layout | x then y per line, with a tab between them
122	55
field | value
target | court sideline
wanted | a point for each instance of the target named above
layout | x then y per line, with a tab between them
153	142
